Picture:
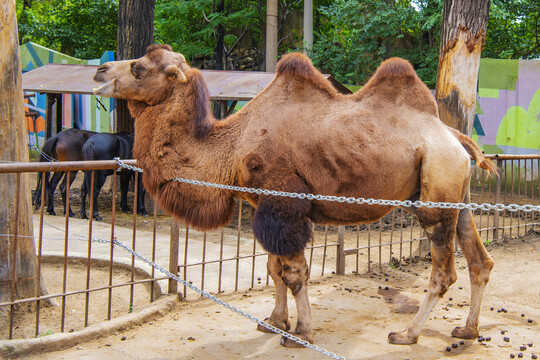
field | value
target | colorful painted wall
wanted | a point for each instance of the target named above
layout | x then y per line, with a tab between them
78	111
508	107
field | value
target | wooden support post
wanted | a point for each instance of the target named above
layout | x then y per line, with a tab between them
173	255
19	277
340	257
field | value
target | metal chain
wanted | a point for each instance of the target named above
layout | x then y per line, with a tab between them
221	302
351	200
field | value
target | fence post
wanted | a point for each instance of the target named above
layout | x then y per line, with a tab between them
340	256
497	200
173	255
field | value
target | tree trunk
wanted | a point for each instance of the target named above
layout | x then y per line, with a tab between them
463	32
19	276
135	34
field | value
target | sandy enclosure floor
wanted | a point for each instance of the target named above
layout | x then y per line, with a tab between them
352	316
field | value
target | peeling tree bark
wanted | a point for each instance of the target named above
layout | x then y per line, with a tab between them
135	34
15	252
463	32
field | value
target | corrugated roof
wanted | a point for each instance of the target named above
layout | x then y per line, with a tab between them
78	79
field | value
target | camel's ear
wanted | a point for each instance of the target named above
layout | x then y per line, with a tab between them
174	73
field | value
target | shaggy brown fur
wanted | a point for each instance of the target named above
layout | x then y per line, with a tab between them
299	135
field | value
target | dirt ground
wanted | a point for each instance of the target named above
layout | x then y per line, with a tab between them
352	316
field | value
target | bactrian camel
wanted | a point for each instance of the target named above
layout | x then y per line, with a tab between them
299	135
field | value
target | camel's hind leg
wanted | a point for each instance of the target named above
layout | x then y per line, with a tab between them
280	314
443	273
480	265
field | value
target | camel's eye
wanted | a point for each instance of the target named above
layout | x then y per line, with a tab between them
137	70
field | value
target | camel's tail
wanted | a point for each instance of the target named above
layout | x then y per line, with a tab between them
474	150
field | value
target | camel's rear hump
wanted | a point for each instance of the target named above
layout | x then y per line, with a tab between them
395	80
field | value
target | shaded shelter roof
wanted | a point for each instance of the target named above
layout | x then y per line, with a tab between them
78	79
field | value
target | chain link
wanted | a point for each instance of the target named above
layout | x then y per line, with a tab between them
219	301
350	200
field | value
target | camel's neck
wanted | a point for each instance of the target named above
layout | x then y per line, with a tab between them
168	145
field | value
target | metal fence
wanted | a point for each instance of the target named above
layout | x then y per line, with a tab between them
97	282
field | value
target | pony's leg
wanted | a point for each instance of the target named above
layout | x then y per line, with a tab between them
480	265
125	177
84	192
141	209
99	181
280	315
72	175
440	226
51	187
295	274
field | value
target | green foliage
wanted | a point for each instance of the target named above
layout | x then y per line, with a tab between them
190	27
80	28
513	30
357	35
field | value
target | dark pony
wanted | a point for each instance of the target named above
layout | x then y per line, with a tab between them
105	146
64	146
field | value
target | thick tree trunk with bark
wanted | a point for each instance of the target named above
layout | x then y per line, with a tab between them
135	34
19	276
463	32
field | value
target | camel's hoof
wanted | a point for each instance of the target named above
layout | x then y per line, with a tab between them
464	332
285	326
402	338
293	344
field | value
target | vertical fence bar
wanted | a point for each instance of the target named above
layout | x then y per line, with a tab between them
511	194
89	254
238	244
311	250
497	200
357	246
220	258
186	259
380	244
392	235
14	250
203	262
111	250
133	243
173	255
324	248
340	251
369	247
40	248
401	238
518	213
66	239
154	241
253	263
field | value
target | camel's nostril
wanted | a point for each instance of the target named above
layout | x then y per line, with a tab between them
102	68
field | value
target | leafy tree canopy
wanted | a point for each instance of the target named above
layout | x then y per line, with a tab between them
351	37
80	28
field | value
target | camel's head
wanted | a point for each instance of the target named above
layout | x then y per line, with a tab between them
147	79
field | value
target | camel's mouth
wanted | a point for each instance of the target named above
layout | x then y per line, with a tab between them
108	89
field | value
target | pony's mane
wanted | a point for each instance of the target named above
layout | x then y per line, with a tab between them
297	64
198	99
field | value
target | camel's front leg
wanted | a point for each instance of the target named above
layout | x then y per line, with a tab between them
280	314
295	274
